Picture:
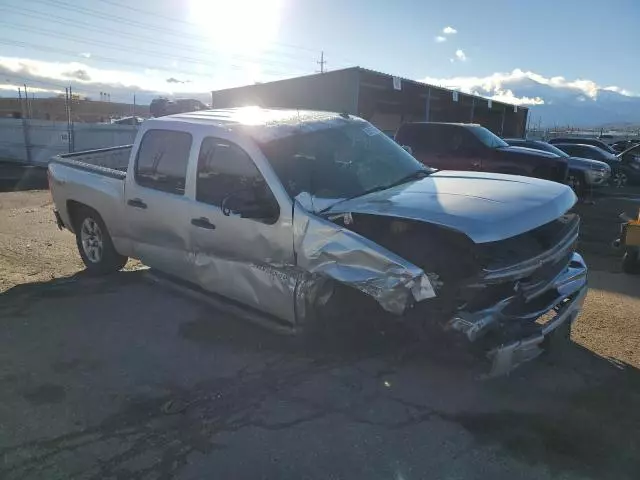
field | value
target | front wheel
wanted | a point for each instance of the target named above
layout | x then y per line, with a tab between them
577	183
619	179
95	245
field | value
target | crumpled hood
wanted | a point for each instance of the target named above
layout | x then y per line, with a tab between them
486	207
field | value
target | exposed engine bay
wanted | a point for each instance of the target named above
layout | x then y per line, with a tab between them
489	294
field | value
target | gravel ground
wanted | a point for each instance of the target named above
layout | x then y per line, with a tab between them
118	378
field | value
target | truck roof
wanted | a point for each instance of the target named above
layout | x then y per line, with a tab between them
263	124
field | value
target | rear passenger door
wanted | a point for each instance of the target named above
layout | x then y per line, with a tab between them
239	231
155	204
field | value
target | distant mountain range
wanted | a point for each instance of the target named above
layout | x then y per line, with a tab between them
564	107
555	101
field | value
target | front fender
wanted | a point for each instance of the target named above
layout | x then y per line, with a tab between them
326	249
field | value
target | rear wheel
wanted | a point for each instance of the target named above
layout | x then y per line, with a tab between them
95	245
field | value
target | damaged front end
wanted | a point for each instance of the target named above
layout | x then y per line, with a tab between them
502	298
534	284
324	250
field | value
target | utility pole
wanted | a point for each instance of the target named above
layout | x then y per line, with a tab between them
25	123
322	62
27	102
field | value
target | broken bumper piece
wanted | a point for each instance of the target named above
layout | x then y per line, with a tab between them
560	302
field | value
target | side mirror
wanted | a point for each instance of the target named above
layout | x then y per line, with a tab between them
408	149
247	204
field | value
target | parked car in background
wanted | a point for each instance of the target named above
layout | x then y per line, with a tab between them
629	170
127	121
465	146
623	145
583	141
619	177
307	217
583	172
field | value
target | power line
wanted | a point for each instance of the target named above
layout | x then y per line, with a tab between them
112	46
190	24
146	26
25	12
127	21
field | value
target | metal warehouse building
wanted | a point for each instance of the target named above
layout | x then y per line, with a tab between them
384	100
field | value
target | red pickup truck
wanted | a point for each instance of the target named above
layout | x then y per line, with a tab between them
465	146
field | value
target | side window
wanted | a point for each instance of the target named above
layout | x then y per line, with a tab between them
228	178
162	160
433	141
457	141
409	135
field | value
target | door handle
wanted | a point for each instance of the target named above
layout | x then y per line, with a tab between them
203	222
137	203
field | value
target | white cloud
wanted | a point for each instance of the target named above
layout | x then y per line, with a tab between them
507	96
460	55
52	77
85	55
501	86
449	31
440	39
619	90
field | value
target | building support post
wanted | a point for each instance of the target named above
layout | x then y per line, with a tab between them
504	114
427	109
473	107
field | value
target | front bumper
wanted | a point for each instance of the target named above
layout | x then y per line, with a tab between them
561	300
59	221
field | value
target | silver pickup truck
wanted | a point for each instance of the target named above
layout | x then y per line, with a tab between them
283	211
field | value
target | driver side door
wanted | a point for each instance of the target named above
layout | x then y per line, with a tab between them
240	236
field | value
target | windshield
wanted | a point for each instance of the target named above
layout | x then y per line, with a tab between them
337	163
488	138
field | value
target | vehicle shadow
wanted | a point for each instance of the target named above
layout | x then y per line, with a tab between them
572	411
15	178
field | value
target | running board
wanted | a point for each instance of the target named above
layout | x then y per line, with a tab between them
219	303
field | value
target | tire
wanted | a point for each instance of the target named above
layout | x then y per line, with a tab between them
577	183
631	262
619	179
95	245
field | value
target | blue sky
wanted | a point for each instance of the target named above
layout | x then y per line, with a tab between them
199	45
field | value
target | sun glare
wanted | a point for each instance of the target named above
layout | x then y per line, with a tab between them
237	26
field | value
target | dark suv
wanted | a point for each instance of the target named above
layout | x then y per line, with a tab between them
463	146
583	141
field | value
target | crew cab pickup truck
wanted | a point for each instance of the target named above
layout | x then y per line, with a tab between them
287	213
466	146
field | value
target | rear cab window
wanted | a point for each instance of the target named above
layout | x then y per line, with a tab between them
162	159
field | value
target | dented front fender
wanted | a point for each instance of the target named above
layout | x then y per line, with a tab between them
326	249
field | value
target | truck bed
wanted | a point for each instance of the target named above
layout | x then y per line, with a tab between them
112	162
